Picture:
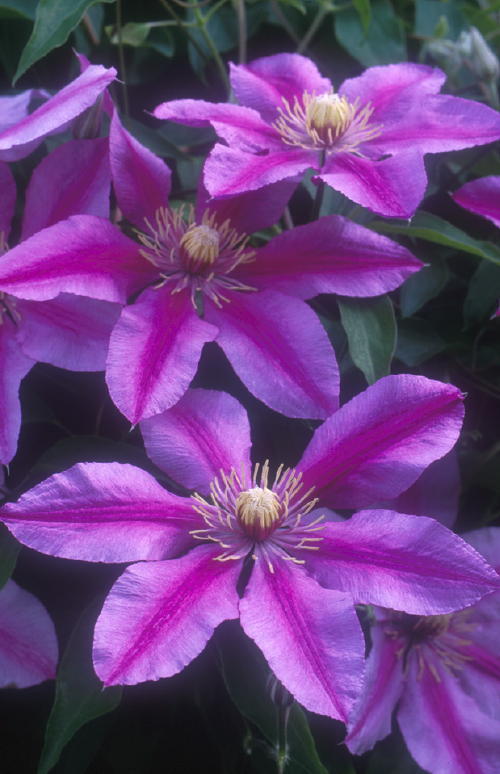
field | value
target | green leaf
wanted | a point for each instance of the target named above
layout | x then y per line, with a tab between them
382	42
365	13
371	332
423	286
79	697
245	674
440	232
430	14
9	550
483	293
24	8
132	34
417	342
54	21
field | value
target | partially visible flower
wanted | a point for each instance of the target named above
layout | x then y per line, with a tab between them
28	642
481	58
68	331
481	196
366	141
305	573
21	133
442	675
200	280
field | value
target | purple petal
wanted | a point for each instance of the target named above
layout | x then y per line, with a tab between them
440	123
268	332
239	126
250	211
14	109
28	642
444	729
263	83
481	196
68	332
230	171
383	685
386	87
331	255
102	512
310	637
378	443
72	180
14	365
205	432
408	563
142	181
84	255
160	615
435	493
393	187
57	112
8	195
487	542
154	352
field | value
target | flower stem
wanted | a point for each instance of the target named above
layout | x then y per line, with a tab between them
311	32
121	56
283	714
202	26
239	7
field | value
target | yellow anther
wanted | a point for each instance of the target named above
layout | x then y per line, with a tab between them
329	113
258	507
202	244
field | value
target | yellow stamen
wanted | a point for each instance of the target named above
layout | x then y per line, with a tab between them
201	244
258	506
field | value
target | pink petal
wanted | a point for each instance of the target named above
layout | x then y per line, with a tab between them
444	729
205	432
59	110
28	642
69	332
102	512
409	563
264	82
154	352
371	719
393	187
84	255
160	615
239	126
142	181
331	255
435	493
230	171
8	195
250	211
310	637
14	365
378	443
72	180
481	196
268	332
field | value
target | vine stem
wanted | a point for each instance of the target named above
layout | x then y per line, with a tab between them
239	7
311	32
202	26
320	192
121	56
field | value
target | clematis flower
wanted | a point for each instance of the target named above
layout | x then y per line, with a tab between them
481	196
199	281
68	331
305	574
21	133
442	675
366	141
28	642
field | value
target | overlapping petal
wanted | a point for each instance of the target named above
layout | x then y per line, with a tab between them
102	512
481	196
310	637
28	643
378	443
280	335
154	352
7	200
205	432
331	255
160	615
409	563
84	255
435	493
14	365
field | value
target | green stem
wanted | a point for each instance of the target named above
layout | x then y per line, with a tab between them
121	56
311	32
283	713
284	21
239	7
212	48
184	25
320	192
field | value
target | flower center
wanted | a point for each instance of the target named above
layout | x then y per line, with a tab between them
258	510
201	246
326	122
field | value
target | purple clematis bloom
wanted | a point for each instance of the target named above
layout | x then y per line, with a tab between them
21	133
305	575
367	141
443	675
253	300
28	642
481	196
68	331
